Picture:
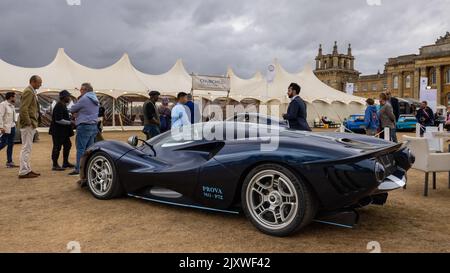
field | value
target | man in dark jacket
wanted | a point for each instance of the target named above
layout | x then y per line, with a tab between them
297	114
151	116
425	117
395	105
61	130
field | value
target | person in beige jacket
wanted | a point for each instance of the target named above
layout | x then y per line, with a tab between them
28	121
387	117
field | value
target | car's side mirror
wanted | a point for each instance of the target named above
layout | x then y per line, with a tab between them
133	141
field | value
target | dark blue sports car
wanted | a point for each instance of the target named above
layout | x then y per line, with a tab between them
281	179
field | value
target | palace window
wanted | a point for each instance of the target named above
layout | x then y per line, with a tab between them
374	87
365	87
395	82
408	81
433	77
448	75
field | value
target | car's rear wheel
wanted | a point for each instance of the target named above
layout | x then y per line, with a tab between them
276	201
102	178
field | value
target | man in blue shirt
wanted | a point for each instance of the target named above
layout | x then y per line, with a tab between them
86	113
179	115
194	110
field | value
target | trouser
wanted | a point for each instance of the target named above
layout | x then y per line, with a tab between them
27	135
86	134
58	143
8	140
393	135
151	131
99	136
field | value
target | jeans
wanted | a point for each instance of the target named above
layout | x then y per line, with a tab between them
8	140
393	135
86	134
151	131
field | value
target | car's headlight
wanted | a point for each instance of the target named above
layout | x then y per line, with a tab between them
380	172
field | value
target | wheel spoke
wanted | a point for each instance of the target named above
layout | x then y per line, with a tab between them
275	183
258	188
279	218
260	209
288	200
282	187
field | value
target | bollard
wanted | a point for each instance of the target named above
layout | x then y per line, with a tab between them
387	134
418	130
342	129
441	127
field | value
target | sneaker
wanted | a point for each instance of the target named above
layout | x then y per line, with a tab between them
74	173
68	165
11	165
58	168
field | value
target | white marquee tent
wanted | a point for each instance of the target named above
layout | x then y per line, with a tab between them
123	79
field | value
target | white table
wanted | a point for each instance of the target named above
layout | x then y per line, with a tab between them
442	136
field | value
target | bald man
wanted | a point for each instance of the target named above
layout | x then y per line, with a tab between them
28	120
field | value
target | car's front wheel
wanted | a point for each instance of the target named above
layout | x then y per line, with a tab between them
276	201
102	178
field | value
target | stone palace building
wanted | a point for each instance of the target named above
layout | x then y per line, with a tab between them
401	74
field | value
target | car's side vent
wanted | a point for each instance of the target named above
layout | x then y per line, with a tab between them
341	181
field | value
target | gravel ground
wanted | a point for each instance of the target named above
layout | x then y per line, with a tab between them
44	214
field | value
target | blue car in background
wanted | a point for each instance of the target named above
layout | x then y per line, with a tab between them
406	123
355	123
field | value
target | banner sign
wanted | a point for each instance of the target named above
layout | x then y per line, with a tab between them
350	88
270	76
211	83
423	83
429	96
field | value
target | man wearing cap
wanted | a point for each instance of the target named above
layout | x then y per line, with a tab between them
61	130
151	116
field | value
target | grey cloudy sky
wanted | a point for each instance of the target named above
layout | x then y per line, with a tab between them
211	35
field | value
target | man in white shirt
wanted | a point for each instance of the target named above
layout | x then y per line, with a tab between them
179	115
8	126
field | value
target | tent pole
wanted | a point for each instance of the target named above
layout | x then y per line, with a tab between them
114	113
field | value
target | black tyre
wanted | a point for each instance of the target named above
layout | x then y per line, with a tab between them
276	201
102	178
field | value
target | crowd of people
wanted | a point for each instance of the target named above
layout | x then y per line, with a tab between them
161	119
87	114
83	115
387	115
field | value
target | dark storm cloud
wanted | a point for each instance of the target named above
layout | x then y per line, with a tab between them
210	35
